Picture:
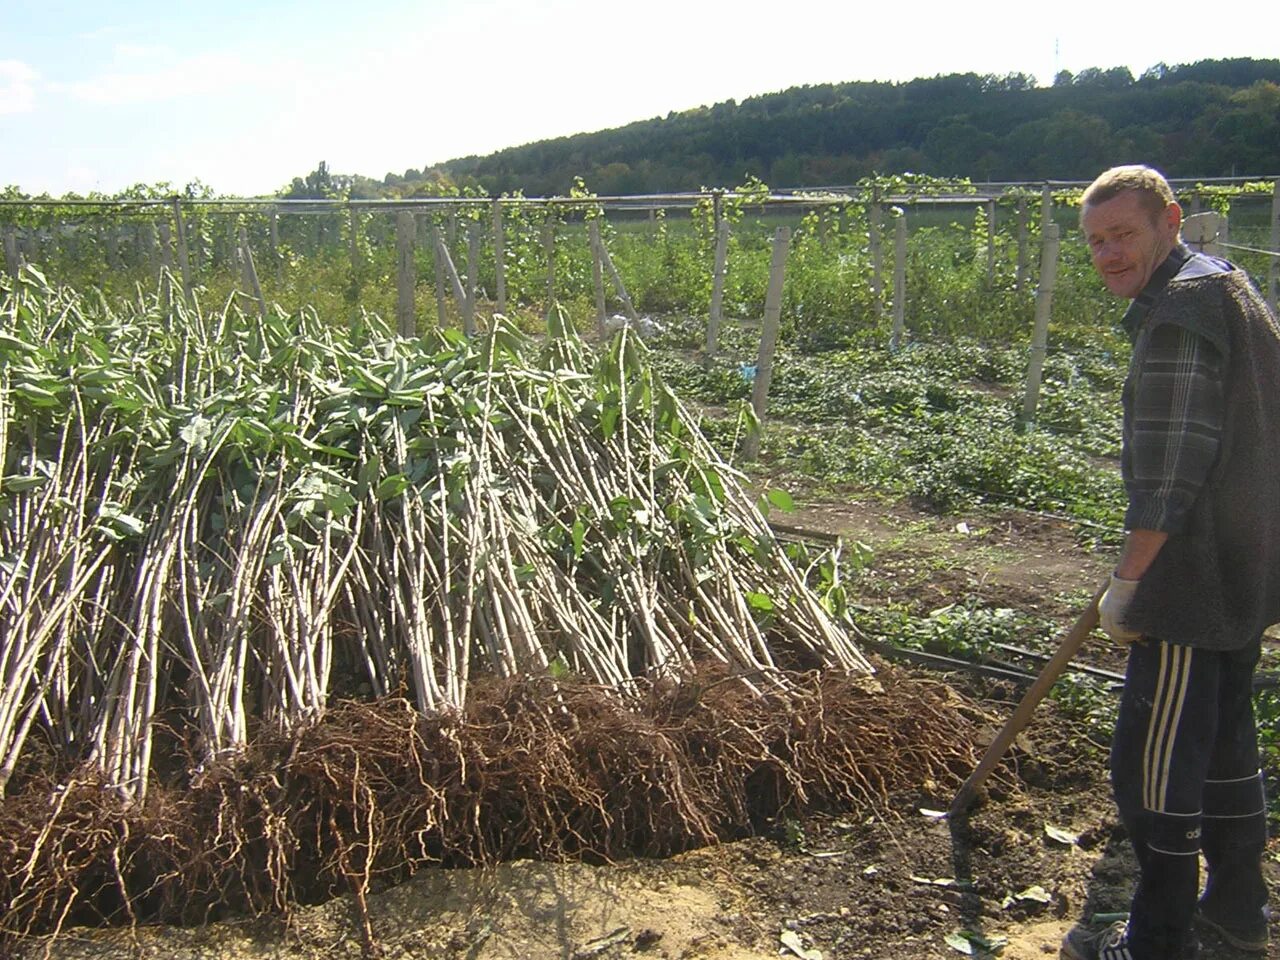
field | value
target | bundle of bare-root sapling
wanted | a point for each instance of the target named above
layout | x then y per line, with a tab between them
221	534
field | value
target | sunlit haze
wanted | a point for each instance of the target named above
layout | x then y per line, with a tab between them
244	96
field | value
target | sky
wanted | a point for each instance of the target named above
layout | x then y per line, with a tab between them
245	95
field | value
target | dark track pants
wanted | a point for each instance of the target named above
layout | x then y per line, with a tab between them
1187	779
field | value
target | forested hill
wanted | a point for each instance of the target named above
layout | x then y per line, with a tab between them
1211	118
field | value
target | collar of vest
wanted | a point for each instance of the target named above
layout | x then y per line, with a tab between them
1160	277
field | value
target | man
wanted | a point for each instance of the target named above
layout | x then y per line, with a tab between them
1198	578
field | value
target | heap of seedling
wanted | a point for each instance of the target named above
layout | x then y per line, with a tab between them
288	608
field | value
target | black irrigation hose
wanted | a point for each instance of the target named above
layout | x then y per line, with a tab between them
937	661
1265	680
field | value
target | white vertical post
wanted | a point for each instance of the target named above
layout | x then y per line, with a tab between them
1202	232
991	242
406	280
166	264
768	337
451	273
184	263
154	261
111	238
12	259
1273	272
166	245
274	226
618	286
433	235
549	250
1040	333
899	280
716	315
499	259
250	273
597	274
473	271
1021	279
874	219
353	238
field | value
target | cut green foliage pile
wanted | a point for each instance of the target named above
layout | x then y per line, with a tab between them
214	522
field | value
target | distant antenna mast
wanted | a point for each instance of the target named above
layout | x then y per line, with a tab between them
1056	67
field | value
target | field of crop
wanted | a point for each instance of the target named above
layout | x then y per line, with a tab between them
294	606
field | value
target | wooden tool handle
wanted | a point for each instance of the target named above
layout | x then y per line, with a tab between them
1067	650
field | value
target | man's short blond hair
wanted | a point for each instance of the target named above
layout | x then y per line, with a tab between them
1147	182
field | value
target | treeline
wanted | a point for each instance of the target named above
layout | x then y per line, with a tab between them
1211	118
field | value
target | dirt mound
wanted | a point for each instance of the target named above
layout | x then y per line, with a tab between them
374	792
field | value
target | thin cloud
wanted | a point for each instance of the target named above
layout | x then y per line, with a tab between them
17	87
153	80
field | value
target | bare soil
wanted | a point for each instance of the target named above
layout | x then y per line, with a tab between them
1039	852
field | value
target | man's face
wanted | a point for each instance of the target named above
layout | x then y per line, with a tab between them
1127	243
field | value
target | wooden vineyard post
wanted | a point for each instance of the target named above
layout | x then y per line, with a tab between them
716	316
1273	271
768	339
147	234
549	250
1021	279
28	247
499	259
251	274
111	240
166	245
227	248
473	272
406	278
1203	232
991	242
618	285
1046	219
433	238
353	239
899	280
166	264
1040	333
274	227
12	259
184	262
196	255
597	274
874	221
450	276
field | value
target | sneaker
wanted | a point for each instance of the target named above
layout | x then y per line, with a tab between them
1252	939
1109	943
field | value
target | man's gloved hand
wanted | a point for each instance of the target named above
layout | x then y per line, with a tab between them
1112	609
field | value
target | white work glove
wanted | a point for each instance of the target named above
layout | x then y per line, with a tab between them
1112	609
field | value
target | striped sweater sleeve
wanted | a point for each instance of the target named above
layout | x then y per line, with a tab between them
1174	429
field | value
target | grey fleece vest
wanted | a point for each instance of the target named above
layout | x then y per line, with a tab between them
1217	584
